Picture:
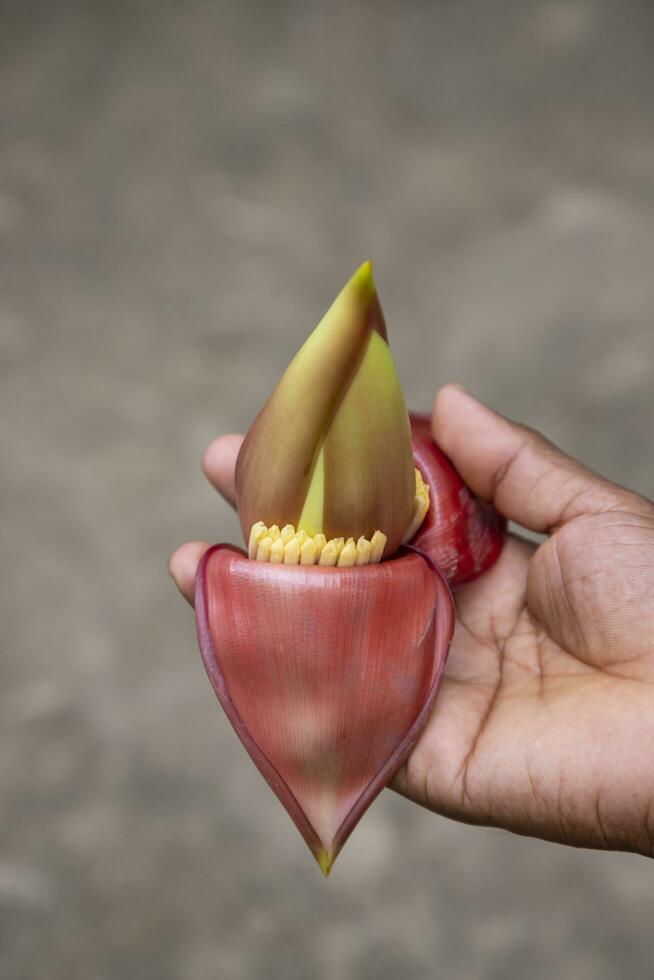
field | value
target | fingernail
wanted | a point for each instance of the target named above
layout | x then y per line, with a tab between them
468	394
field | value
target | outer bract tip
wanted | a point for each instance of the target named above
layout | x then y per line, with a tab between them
325	861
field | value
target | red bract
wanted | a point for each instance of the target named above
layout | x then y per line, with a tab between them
328	675
461	534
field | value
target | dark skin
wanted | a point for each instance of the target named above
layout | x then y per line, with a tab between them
544	724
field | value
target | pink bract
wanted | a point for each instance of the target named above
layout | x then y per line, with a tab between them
328	675
461	533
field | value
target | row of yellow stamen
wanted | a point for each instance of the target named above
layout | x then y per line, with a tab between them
420	507
290	547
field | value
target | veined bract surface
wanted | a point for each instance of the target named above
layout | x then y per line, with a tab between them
328	676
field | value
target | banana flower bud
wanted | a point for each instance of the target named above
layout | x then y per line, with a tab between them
325	642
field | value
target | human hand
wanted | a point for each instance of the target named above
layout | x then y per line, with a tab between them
545	718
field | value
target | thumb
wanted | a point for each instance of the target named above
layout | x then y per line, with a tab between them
524	475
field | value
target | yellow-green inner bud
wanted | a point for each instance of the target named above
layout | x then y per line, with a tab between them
330	452
290	547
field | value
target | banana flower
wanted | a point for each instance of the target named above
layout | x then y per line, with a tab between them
326	638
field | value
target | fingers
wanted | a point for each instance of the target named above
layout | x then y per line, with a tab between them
219	462
526	477
183	565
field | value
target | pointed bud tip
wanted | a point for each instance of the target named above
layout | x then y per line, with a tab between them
363	278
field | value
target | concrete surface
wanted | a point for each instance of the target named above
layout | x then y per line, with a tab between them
183	188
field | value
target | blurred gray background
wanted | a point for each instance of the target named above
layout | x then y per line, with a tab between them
184	187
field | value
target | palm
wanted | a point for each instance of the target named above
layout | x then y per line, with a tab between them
526	734
545	718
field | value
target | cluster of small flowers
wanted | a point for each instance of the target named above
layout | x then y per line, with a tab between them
290	547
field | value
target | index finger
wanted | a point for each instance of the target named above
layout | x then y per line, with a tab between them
219	463
525	476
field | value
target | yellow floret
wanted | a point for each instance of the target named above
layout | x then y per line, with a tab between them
420	507
289	547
